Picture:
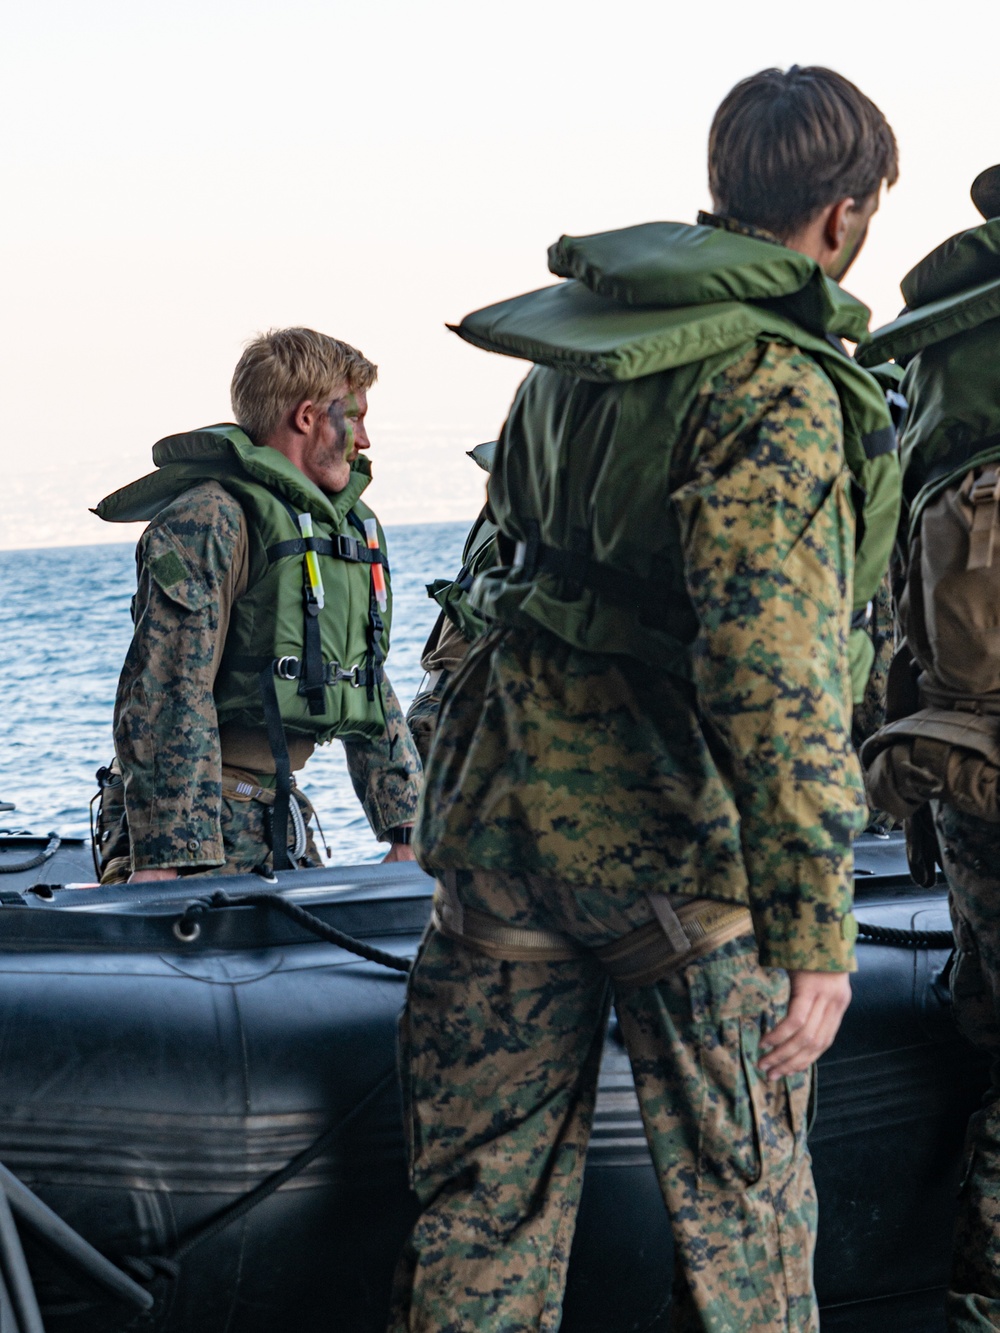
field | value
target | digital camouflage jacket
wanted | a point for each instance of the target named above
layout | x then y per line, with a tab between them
740	784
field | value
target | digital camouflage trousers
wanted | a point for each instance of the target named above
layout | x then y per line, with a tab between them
500	1063
970	850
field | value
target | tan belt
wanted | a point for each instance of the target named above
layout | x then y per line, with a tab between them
683	931
240	785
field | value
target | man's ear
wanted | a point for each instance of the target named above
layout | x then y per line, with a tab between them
837	226
303	417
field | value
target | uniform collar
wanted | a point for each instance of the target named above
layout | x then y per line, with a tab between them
740	228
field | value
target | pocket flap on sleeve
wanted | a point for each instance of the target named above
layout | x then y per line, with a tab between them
169	565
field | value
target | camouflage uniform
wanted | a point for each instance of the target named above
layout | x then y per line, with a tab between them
167	738
563	788
971	849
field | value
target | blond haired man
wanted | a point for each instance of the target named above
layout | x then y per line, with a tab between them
261	625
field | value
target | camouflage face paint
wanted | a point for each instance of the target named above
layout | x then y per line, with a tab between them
350	416
337	413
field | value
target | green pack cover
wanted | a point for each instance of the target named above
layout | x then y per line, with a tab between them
646	316
948	339
478	555
267	622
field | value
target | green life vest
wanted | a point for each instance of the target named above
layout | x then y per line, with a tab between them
948	339
479	554
323	664
622	348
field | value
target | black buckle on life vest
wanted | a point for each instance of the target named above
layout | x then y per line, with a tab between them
290	668
349	548
335	675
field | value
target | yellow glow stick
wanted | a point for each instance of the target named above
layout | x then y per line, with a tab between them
312	563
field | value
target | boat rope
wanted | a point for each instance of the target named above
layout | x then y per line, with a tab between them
15	867
186	928
905	939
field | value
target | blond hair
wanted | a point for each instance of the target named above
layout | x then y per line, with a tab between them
284	367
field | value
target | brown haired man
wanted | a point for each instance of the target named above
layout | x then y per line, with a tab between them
642	784
261	625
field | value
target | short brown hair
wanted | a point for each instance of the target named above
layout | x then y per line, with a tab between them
282	368
786	143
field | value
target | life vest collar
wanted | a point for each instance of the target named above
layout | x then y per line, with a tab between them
670	265
215	451
952	290
266	465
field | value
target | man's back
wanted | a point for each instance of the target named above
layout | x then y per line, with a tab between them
642	784
597	769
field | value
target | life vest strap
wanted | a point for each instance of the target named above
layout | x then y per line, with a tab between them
339	546
290	668
658	606
282	768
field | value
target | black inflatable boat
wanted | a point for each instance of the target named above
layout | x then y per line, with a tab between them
204	1088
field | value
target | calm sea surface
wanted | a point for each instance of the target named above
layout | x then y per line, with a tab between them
64	631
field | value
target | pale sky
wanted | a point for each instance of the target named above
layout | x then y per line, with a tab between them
178	175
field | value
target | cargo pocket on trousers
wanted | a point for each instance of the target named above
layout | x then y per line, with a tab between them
751	1130
729	1132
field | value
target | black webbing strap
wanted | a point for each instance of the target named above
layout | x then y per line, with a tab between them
339	547
290	668
374	656
621	588
312	676
658	605
282	769
879	442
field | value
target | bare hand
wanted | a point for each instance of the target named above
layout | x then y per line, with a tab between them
399	851
145	876
817	1003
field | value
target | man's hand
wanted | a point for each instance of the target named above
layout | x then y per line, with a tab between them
817	1003
399	851
144	876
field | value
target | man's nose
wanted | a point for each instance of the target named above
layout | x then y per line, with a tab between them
361	439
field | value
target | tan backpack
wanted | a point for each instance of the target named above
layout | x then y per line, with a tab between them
942	739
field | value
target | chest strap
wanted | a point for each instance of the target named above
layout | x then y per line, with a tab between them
339	546
291	668
657	605
684	929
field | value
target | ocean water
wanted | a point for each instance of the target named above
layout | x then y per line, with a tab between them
64	631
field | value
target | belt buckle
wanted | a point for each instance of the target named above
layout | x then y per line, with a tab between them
355	677
287	668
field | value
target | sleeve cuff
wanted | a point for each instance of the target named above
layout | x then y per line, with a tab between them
809	942
152	852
